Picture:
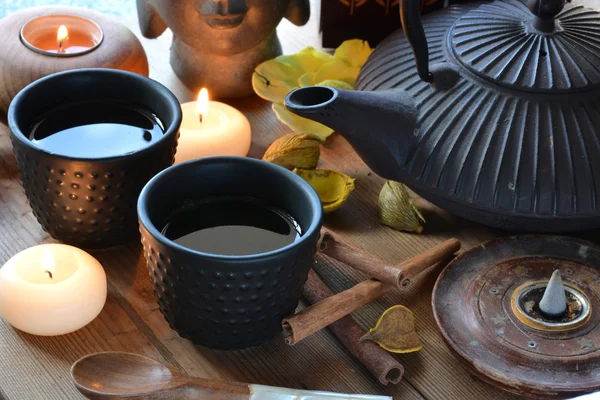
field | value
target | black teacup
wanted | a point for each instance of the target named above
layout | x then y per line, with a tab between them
80	195
227	301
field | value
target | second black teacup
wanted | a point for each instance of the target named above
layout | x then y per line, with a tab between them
228	299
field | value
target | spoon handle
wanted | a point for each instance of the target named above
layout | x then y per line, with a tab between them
261	392
179	389
201	389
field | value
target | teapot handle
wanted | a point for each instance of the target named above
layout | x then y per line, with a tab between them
410	16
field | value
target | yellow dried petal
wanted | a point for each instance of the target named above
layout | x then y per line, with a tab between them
300	124
354	52
322	56
294	151
332	187
273	80
308	79
306	60
396	209
395	331
339	70
335	84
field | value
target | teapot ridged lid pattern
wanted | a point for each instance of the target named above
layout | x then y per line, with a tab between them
507	118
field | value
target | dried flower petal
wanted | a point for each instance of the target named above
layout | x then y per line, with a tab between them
332	187
395	331
274	79
294	151
336	84
354	52
339	70
301	125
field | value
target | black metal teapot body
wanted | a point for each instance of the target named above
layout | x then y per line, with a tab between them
497	120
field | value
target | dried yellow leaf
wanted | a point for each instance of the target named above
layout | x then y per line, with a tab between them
332	187
397	210
354	52
301	125
336	84
395	331
294	151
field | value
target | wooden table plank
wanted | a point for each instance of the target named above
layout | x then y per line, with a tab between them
37	367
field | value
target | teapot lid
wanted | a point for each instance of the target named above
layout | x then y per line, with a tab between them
551	52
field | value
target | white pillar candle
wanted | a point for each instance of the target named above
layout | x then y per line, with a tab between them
51	289
210	128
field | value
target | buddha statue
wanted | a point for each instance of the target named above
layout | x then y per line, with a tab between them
218	43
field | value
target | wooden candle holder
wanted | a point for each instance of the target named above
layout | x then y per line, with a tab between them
20	66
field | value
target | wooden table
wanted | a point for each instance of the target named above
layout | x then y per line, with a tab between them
34	367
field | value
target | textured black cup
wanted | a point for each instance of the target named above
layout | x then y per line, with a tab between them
227	302
90	202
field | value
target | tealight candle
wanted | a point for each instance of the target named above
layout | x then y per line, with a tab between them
61	35
51	289
210	128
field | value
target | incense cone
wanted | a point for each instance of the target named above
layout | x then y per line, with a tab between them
554	301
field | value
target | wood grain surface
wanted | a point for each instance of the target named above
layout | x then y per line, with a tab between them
33	367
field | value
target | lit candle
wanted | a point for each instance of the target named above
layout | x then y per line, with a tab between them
51	289
210	128
61	35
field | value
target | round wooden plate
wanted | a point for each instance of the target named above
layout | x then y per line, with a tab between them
472	307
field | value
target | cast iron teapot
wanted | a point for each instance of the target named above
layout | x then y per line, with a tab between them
502	128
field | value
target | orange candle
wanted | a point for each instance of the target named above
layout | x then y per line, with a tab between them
61	35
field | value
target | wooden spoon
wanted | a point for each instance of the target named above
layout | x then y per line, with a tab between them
112	375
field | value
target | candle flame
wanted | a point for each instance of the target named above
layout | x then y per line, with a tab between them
48	263
202	104
62	34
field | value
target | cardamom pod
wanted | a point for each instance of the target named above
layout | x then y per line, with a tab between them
397	210
294	151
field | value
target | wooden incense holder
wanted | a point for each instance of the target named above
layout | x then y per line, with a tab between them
20	66
323	313
486	303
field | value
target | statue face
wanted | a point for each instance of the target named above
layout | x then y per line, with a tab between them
222	26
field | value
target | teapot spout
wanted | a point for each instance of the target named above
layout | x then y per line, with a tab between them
381	126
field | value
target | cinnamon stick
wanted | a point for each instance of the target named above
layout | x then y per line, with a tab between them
396	275
442	252
378	361
316	317
319	315
359	259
